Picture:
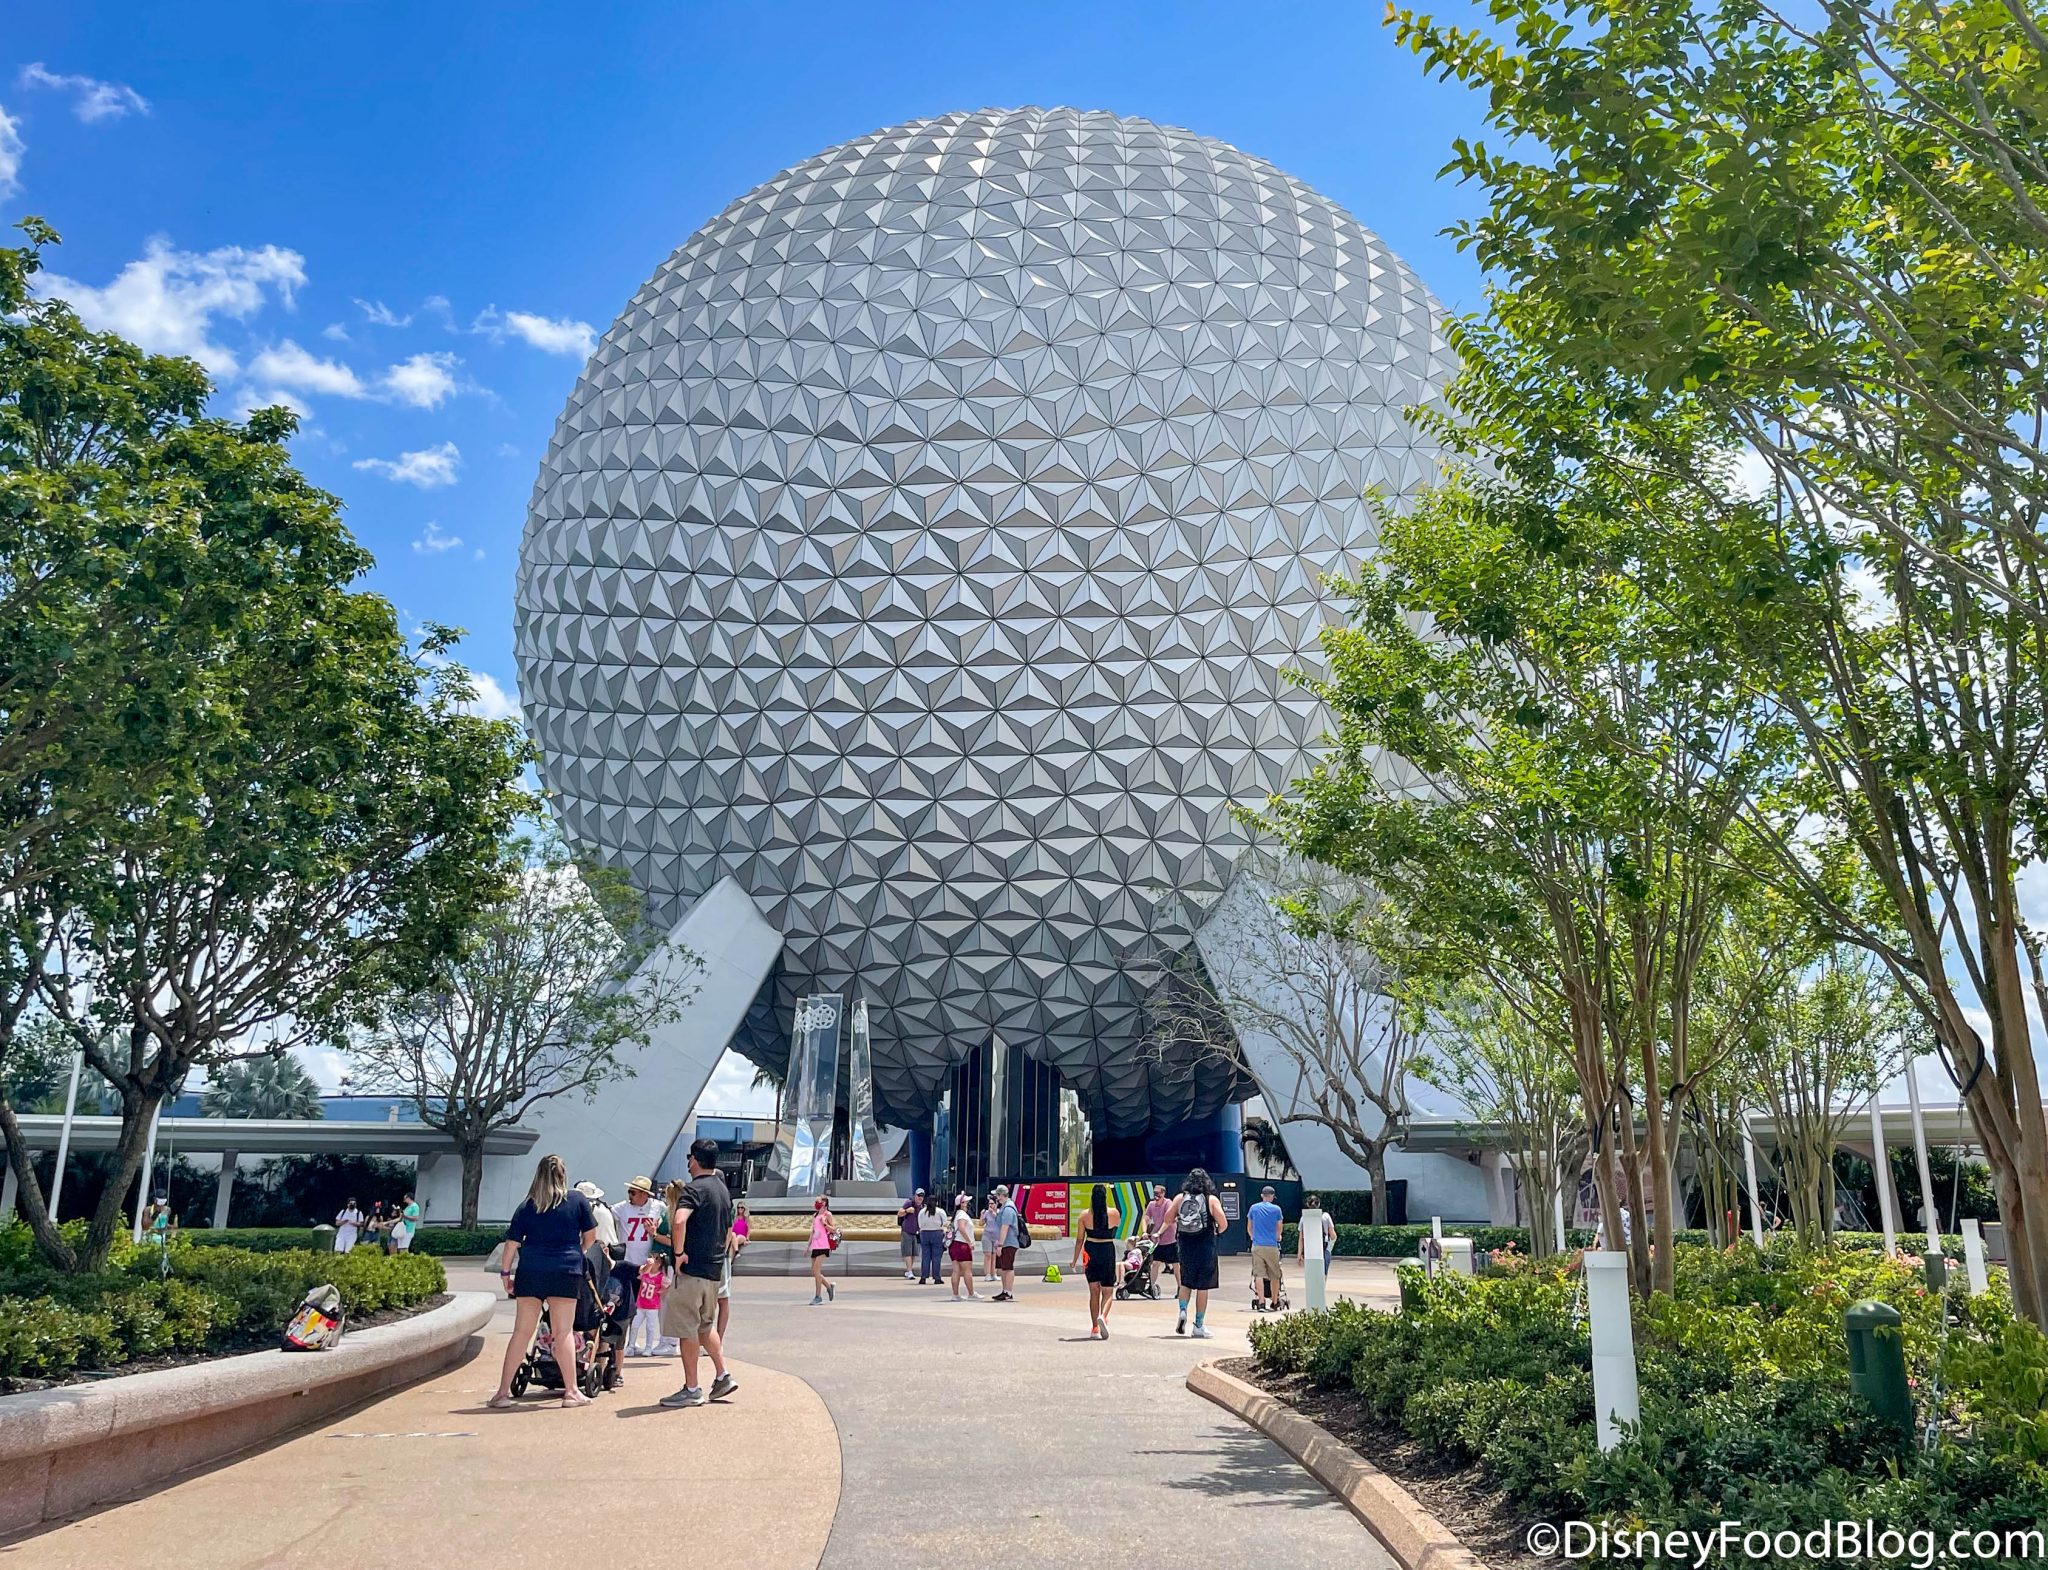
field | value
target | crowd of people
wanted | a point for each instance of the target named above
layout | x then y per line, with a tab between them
391	1229
677	1253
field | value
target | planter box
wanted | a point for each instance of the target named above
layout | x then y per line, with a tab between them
65	1450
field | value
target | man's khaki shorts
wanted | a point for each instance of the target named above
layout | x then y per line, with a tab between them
689	1307
1266	1264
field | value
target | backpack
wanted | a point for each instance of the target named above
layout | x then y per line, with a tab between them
1023	1231
1191	1215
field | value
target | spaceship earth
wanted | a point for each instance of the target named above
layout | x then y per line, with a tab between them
924	546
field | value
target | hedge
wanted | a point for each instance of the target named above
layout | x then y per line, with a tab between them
1372	1242
1746	1409
440	1242
213	1299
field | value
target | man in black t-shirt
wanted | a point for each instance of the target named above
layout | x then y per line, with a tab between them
699	1228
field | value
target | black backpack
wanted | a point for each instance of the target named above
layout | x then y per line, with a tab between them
1023	1231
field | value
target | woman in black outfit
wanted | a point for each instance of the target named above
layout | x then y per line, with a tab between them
543	1265
1198	1222
1095	1244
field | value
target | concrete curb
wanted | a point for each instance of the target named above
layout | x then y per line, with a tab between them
1416	1539
65	1450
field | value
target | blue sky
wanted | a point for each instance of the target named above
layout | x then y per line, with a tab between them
409	221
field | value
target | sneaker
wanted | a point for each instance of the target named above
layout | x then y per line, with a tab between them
1200	1333
910	1275
689	1395
1003	1297
723	1386
816	1301
830	1293
1180	1325
1103	1329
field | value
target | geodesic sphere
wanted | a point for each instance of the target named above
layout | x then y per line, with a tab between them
923	546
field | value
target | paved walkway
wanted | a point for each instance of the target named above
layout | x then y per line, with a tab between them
892	1427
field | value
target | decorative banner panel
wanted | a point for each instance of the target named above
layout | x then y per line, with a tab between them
864	1135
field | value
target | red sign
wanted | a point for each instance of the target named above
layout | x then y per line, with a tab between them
1043	1205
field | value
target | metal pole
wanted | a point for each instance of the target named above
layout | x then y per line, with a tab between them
64	1136
1920	1154
148	1161
1311	1229
1756	1209
1881	1163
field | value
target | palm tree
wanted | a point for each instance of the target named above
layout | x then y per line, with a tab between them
272	1087
1263	1140
770	1079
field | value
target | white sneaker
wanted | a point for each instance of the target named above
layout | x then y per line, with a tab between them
910	1275
1200	1333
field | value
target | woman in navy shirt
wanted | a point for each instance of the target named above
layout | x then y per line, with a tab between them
543	1265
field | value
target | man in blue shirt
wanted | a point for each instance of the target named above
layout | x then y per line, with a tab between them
1263	1221
1004	1225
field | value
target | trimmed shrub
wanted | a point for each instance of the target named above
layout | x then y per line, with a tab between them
439	1242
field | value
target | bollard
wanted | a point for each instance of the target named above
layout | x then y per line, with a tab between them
1877	1361
1616	1399
1973	1259
1413	1279
1315	1288
1935	1268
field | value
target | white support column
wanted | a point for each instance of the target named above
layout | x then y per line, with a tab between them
1881	1170
1756	1209
1927	1208
1557	1207
1616	1400
1316	1291
1973	1256
64	1137
224	1195
142	1178
7	1188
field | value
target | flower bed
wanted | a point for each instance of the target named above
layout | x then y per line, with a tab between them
185	1301
1746	1407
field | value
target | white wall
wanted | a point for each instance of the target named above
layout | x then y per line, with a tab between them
633	1121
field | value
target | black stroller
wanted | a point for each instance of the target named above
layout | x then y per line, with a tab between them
1137	1279
602	1313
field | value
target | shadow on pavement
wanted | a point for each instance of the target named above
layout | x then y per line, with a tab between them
1242	1466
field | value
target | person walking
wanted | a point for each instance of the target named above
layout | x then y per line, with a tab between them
1264	1221
989	1211
931	1241
698	1232
960	1249
607	1223
543	1270
1095	1250
1198	1221
348	1226
906	1224
742	1229
1006	1245
824	1238
406	1227
1159	1228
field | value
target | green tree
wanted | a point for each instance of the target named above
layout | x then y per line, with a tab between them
1828	243
276	1086
237	802
561	984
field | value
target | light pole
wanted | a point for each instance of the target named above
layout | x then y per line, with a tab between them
64	1135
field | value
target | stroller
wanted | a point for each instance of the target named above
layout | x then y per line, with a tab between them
1137	1279
600	1336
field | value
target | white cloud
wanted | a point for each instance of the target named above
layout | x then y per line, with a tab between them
731	1089
428	468
434	540
287	365
555	336
168	299
423	381
378	314
244	401
92	99
492	702
11	149
507	450
337	332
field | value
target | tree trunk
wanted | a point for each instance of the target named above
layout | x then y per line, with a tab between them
1663	1259
1376	1174
472	1178
28	1196
138	1111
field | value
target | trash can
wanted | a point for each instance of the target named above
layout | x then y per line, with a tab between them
1877	1361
